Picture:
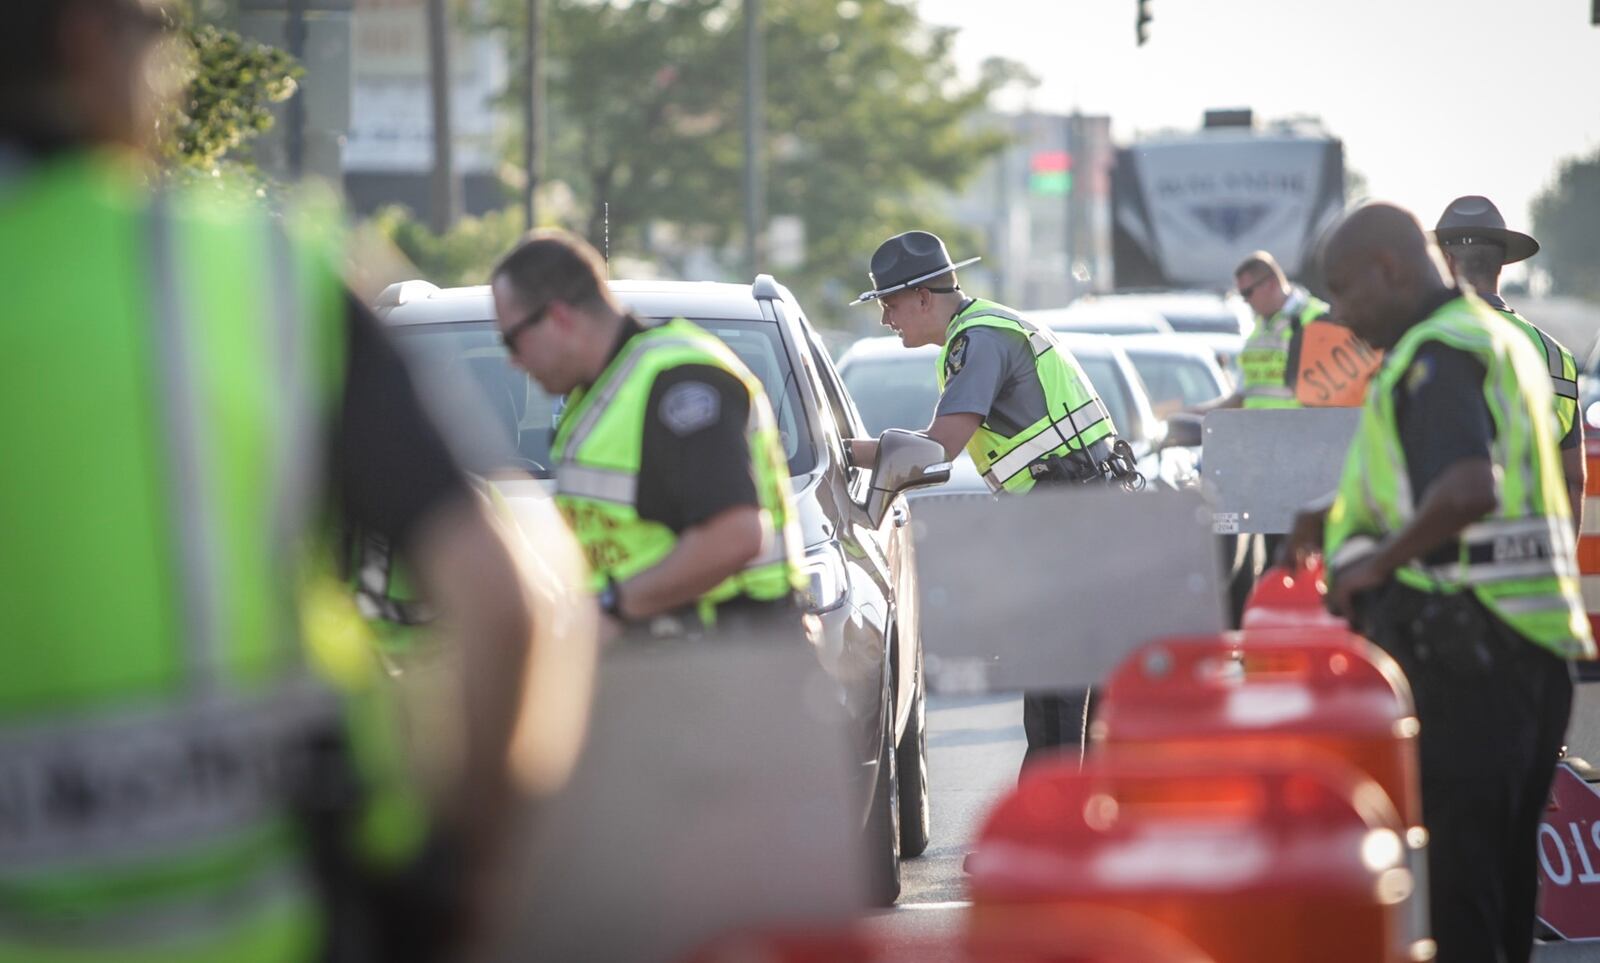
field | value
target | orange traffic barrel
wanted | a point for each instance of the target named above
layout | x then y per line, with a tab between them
1326	688
1250	855
1024	934
1589	537
1284	598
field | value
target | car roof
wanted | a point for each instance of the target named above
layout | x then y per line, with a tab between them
888	347
1185	345
1101	314
419	302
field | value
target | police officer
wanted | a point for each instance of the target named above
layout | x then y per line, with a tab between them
668	462
182	780
1270	359
1449	545
1012	397
1476	244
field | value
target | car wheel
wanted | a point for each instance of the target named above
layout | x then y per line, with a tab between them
883	822
911	771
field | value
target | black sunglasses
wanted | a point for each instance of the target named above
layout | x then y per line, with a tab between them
1246	292
509	336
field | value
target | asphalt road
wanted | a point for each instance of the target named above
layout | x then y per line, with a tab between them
975	745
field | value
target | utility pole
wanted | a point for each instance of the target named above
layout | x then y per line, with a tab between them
754	139
295	136
443	196
532	113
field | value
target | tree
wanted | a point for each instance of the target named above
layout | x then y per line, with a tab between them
226	100
1566	219
866	114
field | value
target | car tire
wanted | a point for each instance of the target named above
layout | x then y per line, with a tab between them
911	772
883	821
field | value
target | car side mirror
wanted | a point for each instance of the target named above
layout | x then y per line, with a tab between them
906	460
1183	431
1592	415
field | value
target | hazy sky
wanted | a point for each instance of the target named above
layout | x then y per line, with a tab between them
1432	98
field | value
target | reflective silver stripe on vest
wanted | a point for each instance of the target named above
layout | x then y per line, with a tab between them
1564	387
1532	604
84	792
597	403
1047	439
599	484
1264	390
1520	548
1355	547
197	576
298	457
192	918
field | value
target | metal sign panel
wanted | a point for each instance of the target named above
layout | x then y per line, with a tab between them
1261	466
1053	589
715	793
1569	855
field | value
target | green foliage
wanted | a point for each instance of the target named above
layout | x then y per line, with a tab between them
1566	220
226	101
461	255
866	119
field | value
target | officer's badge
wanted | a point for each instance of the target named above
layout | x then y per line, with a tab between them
690	406
956	357
1421	370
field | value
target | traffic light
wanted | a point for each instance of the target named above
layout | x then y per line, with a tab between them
1142	24
1050	173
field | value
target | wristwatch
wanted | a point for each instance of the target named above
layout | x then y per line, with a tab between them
610	599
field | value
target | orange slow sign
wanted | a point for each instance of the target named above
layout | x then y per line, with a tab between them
1335	366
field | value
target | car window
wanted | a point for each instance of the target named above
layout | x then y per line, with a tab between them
837	398
1106	376
893	392
1175	380
495	415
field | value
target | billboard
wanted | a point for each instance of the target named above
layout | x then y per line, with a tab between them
1187	210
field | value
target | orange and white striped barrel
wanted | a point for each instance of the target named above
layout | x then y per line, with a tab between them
1589	537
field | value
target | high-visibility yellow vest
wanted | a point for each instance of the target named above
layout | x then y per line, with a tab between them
1264	362
1075	417
1521	560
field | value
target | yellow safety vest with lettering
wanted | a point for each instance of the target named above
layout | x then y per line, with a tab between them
1264	362
1520	561
597	451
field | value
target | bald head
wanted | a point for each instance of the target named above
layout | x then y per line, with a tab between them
1381	270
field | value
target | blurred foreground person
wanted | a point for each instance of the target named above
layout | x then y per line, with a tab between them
195	760
669	467
1476	244
1450	546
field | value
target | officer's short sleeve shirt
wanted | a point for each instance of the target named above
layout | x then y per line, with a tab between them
694	458
990	372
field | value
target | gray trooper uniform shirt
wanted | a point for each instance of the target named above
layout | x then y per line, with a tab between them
990	372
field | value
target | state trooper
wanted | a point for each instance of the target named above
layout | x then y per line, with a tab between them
1449	544
1476	244
1013	398
668	463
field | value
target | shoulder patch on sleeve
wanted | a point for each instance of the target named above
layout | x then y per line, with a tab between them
956	357
690	406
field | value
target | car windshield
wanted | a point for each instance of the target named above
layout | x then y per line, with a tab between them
497	416
1174	380
902	392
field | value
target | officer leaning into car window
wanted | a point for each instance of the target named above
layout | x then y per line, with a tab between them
1450	546
668	462
1476	244
1013	398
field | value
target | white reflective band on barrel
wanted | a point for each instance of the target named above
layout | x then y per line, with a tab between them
1591	516
197	576
599	484
1591	592
1047	439
140	784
